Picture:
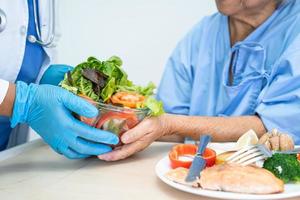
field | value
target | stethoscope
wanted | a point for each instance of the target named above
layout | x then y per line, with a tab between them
2	20
49	41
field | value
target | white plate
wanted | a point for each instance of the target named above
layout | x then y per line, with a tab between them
163	166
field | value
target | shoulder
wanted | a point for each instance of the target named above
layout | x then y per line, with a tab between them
288	64
292	53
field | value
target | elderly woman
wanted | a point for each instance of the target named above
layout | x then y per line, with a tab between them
236	70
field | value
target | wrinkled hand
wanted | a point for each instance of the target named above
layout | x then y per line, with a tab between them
138	138
48	110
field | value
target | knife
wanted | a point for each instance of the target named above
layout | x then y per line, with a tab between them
198	163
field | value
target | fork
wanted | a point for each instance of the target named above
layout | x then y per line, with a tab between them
255	153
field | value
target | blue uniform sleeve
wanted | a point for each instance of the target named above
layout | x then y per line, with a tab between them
176	84
280	105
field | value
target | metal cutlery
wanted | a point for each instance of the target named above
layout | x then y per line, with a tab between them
198	163
255	153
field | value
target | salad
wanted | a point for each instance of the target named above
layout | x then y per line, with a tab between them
121	104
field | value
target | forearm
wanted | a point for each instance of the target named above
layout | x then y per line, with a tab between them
171	138
6	107
222	129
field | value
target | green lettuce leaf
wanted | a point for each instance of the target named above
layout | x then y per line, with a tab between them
86	88
116	60
108	90
155	107
82	85
66	85
145	91
117	80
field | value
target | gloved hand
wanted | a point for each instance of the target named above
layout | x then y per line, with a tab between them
48	110
54	74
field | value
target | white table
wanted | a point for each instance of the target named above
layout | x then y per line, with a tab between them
33	171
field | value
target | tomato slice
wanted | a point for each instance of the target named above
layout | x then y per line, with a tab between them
129	118
179	150
116	122
88	121
210	157
127	99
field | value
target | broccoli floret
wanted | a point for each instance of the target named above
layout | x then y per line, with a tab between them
284	166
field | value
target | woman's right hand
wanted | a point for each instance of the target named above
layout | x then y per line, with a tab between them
139	137
48	110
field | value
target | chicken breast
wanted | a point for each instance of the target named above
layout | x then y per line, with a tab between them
240	179
177	175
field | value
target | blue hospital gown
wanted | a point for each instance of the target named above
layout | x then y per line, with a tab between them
265	68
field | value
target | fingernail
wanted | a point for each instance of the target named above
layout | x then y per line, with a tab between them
104	157
125	138
115	140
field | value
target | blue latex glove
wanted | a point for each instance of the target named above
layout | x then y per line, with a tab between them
54	74
48	110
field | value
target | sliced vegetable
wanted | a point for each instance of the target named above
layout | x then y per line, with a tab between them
89	121
189	150
100	80
123	121
210	157
127	99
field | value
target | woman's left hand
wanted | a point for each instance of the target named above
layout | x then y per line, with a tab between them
139	138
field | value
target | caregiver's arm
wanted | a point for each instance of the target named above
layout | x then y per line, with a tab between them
48	110
6	106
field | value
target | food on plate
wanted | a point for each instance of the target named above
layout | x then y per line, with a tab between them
284	166
248	138
182	155
105	84
240	179
267	177
177	175
277	141
232	178
221	158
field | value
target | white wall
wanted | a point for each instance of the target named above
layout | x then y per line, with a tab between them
142	32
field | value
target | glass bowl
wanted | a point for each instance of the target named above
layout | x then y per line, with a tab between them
115	119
